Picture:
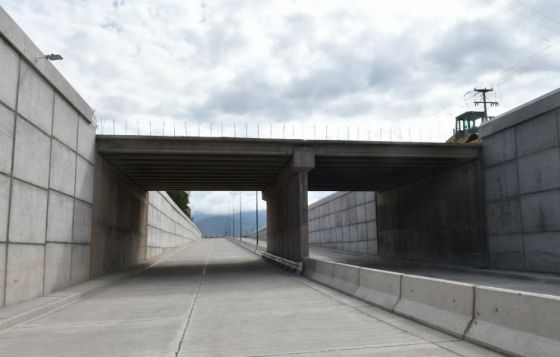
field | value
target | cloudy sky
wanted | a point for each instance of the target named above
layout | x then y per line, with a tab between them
379	69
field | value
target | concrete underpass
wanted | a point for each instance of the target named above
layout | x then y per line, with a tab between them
453	243
213	297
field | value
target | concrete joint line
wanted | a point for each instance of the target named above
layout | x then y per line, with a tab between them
16	107
400	294
463	336
191	310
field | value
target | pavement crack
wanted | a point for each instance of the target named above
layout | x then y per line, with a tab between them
191	309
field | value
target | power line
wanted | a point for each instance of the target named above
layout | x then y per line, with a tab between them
546	16
525	16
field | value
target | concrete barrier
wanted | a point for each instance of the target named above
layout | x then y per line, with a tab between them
318	270
519	323
345	278
445	305
380	288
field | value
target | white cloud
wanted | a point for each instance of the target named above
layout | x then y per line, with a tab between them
296	66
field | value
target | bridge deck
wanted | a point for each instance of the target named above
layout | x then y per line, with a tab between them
216	299
167	163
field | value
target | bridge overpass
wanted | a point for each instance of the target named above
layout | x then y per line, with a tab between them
284	170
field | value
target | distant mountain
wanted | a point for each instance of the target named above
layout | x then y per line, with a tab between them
217	225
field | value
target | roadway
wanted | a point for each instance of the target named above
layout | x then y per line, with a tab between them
214	298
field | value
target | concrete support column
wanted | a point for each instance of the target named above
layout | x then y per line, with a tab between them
286	200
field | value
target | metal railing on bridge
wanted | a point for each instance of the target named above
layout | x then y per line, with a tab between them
435	133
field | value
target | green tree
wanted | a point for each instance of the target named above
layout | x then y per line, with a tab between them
181	198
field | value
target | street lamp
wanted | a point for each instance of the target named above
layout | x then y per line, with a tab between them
52	57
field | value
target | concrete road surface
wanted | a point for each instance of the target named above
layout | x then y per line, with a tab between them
214	298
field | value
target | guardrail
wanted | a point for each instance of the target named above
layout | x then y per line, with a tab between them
513	322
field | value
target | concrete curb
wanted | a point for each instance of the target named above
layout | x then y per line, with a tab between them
296	267
76	292
508	321
520	323
379	287
442	304
247	246
345	278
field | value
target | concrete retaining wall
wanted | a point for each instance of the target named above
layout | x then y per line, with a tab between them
521	151
56	228
168	226
518	323
344	221
47	156
132	225
437	219
120	219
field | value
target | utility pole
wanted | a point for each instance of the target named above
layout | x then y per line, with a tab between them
257	214
226	218
232	214
240	224
484	101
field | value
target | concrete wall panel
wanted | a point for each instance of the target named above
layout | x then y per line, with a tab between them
9	63
439	218
501	181
28	214
80	270
537	134
57	266
4	206
36	97
506	251
523	214
341	221
83	214
32	154
540	171
59	224
500	147
65	122
504	217
35	212
84	180
25	269
86	140
543	250
63	168
6	139
2	272
541	212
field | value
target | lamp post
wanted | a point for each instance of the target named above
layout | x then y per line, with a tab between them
257	214
232	214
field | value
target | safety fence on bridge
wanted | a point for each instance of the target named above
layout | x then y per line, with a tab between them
277	130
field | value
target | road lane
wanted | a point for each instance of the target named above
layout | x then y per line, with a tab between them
214	298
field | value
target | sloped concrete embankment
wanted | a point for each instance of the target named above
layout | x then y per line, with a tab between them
513	322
